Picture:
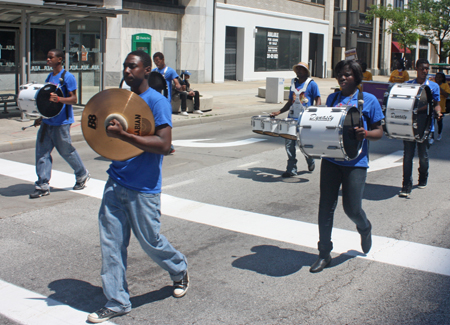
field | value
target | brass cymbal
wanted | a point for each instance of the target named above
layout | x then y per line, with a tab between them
129	109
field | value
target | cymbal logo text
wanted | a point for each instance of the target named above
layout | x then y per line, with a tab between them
92	121
137	124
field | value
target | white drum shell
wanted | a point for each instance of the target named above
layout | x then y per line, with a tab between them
257	123
400	110
320	132
271	126
287	128
27	97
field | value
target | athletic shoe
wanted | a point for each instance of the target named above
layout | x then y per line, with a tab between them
422	183
405	192
198	112
311	167
38	193
103	314
288	174
80	185
439	137
431	141
180	287
184	113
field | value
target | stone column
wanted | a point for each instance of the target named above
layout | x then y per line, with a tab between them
113	56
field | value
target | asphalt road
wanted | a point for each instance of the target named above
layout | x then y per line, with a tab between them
50	246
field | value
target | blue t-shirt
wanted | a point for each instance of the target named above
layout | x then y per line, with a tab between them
372	113
70	84
169	74
435	91
312	91
143	173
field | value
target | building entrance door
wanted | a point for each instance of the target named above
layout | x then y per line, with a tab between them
316	55
230	53
9	59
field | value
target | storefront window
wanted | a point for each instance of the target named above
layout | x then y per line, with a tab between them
42	40
276	49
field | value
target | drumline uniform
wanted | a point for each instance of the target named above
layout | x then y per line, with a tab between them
55	132
131	201
307	92
409	148
351	174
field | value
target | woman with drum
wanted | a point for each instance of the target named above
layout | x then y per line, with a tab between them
350	174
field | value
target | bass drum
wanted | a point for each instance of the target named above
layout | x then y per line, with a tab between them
328	132
47	108
408	112
27	98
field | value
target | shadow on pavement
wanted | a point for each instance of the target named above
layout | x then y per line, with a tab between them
274	261
23	190
377	192
268	175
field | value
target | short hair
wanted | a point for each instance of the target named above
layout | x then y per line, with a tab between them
158	55
353	65
145	57
363	66
421	61
58	53
441	74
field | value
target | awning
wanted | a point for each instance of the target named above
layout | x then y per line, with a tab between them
396	48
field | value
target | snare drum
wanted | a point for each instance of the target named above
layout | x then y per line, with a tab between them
35	98
257	123
270	126
329	132
287	128
408	110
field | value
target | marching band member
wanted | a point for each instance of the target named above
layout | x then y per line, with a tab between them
304	92
350	174
409	147
131	199
55	131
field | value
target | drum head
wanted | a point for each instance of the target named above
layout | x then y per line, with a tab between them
45	106
423	108
157	81
351	146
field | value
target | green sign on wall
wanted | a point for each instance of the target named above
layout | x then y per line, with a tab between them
141	42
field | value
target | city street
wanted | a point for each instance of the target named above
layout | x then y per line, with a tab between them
249	235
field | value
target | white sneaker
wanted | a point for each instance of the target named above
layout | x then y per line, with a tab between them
431	141
184	113
439	137
198	112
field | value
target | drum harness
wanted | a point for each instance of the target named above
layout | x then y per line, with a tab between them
297	107
61	83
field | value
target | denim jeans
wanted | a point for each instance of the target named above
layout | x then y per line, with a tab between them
121	211
55	137
292	159
409	148
353	180
184	96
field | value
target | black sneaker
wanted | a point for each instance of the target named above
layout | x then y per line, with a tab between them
80	185
38	193
422	183
311	166
180	287
288	174
405	192
103	314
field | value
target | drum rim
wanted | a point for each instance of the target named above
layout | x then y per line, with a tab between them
416	137
341	134
58	92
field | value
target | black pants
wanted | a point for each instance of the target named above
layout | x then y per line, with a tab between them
353	180
185	96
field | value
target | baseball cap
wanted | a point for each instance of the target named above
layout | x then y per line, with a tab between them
302	64
186	72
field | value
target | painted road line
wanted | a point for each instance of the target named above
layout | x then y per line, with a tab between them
27	307
186	182
394	159
195	143
385	250
249	164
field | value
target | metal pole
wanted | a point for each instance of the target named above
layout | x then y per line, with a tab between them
348	36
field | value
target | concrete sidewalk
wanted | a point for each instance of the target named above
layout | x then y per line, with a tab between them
232	99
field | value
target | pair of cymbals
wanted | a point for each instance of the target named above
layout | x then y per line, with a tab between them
129	109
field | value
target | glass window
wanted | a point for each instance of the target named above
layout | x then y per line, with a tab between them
276	49
42	41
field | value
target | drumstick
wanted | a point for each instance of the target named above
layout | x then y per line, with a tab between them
26	127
